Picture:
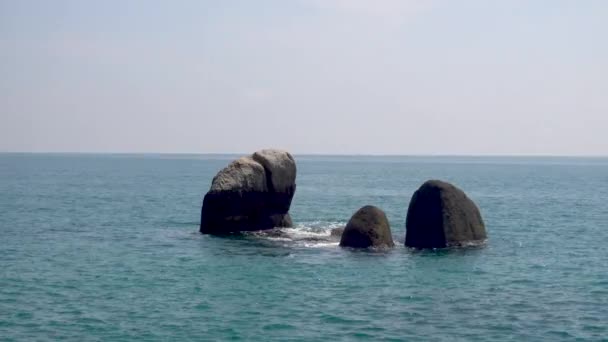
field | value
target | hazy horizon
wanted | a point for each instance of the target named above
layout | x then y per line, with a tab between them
313	154
314	77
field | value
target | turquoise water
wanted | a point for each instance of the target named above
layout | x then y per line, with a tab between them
106	247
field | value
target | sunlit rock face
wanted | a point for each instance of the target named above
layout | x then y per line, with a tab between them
251	193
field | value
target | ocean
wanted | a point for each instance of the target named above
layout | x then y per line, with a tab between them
102	247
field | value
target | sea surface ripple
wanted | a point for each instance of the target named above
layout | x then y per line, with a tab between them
106	247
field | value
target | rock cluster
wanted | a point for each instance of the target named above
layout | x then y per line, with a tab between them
255	193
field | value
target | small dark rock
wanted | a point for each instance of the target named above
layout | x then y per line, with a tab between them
368	227
441	215
337	232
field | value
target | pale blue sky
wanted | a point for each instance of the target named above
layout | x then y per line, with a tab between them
310	76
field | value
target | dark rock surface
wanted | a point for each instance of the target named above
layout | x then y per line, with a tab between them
441	215
368	227
252	193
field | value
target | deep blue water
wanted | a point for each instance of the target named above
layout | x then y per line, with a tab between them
106	247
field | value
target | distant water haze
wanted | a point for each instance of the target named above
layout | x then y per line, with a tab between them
331	77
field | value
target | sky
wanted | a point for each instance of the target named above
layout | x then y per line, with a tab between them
470	77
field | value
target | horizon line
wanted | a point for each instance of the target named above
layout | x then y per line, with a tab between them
321	154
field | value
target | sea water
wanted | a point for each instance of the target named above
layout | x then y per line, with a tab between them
106	247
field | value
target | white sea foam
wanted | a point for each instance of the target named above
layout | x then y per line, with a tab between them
316	234
320	244
277	238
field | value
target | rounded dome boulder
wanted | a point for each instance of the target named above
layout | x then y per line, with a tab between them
441	215
368	227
